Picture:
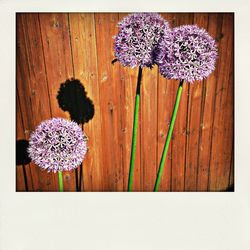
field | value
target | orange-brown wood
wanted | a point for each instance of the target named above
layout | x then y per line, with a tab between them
20	184
83	40
149	127
32	88
59	68
231	178
166	98
166	95
195	107
129	82
52	48
20	173
110	100
180	127
24	178
207	115
223	114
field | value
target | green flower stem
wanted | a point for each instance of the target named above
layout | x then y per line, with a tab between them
170	131
60	178
136	114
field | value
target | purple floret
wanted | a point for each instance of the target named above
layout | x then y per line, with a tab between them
57	145
137	38
187	53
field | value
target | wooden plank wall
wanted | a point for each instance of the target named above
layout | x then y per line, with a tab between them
52	48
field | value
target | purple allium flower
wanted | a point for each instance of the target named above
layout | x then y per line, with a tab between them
57	145
188	53
137	38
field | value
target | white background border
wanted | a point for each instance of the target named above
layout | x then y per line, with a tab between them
58	221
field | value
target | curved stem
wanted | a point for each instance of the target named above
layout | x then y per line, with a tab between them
170	131
135	125
60	178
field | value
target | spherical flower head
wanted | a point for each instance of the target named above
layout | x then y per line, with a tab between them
57	145
187	53
137	38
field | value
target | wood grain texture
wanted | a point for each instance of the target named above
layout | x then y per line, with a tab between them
149	127
20	172
110	101
84	54
32	88
195	108
208	107
166	98
59	68
54	47
223	115
180	129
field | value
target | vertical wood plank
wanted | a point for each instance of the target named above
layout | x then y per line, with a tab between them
129	81
193	126
166	97
193	123
57	54
109	82
83	40
32	87
207	116
231	178
223	116
20	175
20	184
231	107
22	133
58	61
149	127
180	129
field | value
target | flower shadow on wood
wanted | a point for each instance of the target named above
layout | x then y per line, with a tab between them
22	158
72	97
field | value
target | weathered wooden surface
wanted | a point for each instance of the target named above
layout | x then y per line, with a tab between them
52	48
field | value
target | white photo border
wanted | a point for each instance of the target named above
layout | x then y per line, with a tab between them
184	220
